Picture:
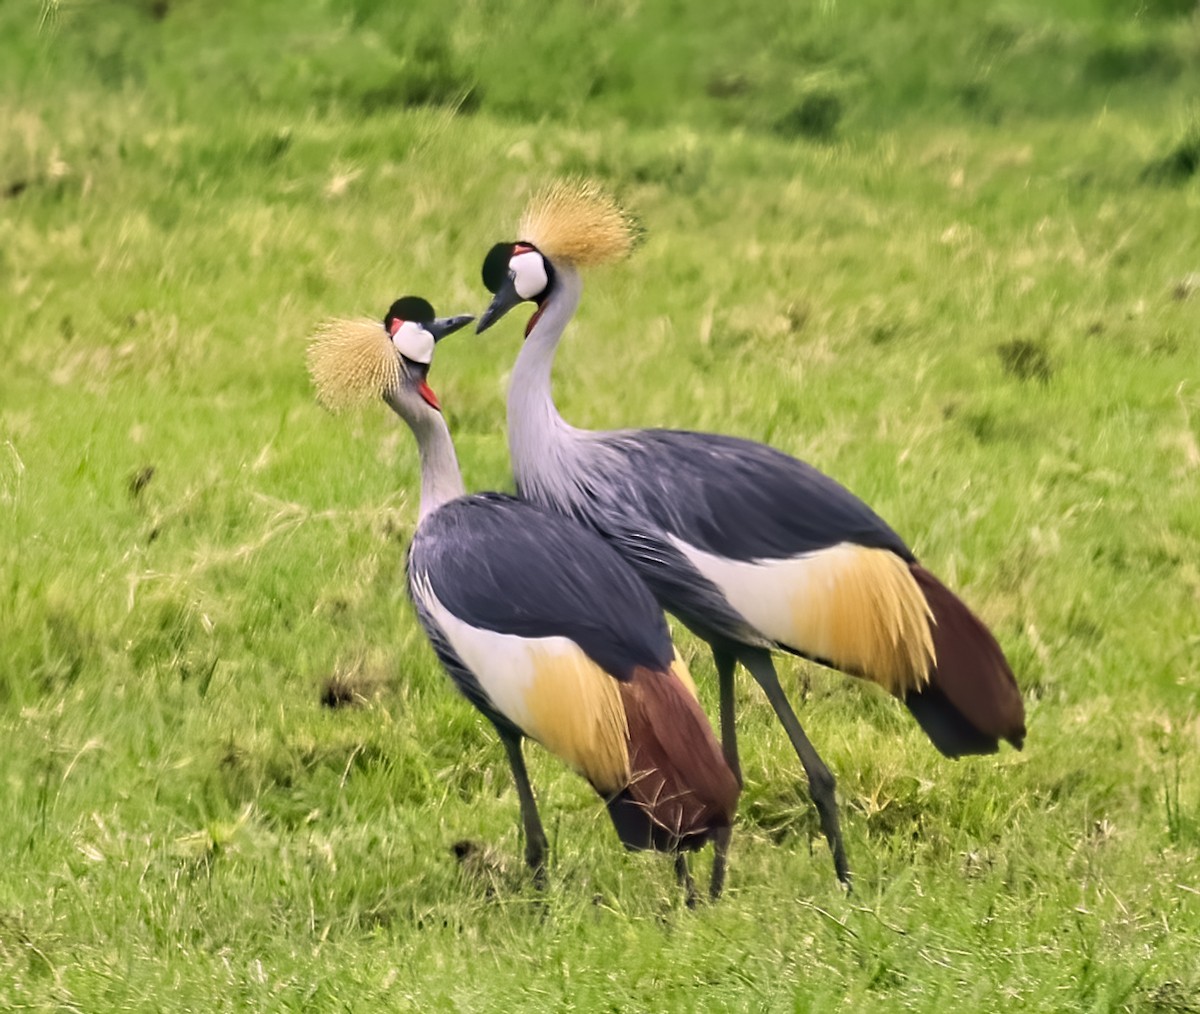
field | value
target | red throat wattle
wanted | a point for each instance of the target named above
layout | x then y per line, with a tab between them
534	319
426	392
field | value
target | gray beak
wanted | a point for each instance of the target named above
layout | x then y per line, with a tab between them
443	326
505	299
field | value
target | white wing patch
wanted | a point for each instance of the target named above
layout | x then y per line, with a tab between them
548	688
857	608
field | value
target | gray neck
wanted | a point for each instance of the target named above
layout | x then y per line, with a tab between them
441	480
539	439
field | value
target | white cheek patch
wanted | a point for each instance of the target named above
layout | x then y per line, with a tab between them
529	274
414	342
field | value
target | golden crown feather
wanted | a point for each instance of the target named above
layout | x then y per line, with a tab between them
352	363
579	221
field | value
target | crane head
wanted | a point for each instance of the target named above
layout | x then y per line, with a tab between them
355	361
574	223
414	330
514	273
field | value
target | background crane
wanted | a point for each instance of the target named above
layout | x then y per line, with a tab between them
752	549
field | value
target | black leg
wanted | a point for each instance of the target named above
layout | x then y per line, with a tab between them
726	662
820	781
720	859
535	837
684	877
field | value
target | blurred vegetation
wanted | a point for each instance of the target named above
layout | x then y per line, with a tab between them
799	69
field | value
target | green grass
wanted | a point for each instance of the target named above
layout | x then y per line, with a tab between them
948	256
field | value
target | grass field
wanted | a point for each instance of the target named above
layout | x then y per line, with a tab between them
948	255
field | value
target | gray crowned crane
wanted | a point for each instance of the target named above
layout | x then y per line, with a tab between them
750	548
539	622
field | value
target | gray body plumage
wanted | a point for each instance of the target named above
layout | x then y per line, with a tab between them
512	568
733	498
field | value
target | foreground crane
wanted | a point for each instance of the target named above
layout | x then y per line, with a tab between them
540	624
752	549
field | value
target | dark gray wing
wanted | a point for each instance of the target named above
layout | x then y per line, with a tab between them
504	565
739	499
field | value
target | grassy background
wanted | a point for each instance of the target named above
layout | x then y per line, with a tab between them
948	255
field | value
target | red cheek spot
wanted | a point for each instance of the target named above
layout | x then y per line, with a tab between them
397	323
521	248
534	319
426	392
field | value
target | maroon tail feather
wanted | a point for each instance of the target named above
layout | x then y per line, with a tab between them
972	700
682	791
